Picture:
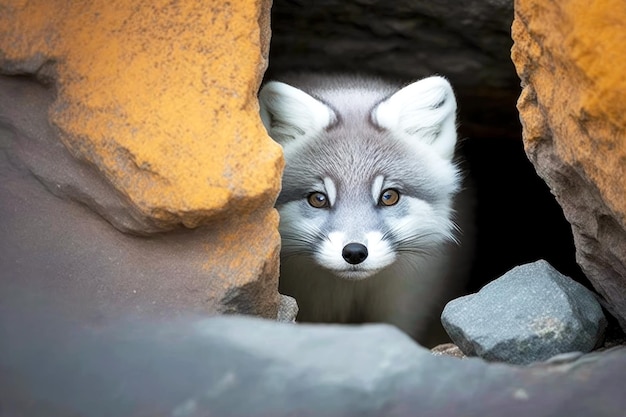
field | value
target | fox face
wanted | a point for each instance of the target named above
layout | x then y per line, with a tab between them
369	176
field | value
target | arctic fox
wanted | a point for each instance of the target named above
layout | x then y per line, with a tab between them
371	207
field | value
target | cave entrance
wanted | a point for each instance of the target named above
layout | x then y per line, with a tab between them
518	219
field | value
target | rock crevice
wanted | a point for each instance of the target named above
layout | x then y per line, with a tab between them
574	121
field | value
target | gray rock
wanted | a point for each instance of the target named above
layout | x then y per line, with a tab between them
529	314
53	236
287	309
54	365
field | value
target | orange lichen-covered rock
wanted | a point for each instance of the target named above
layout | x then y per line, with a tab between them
159	95
145	122
570	57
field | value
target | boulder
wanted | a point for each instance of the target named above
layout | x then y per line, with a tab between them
238	366
136	175
530	314
569	56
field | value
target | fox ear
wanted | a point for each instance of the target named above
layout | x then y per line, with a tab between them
289	113
423	111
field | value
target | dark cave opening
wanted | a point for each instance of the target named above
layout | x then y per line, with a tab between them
518	219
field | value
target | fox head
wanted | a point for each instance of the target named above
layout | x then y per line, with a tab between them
369	176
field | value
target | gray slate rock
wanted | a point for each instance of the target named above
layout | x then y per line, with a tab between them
56	365
530	314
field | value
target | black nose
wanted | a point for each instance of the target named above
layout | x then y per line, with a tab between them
354	253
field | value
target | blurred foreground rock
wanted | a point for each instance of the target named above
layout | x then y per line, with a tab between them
236	366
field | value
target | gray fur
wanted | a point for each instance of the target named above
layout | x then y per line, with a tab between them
351	152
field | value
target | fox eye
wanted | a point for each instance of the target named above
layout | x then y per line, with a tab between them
389	197
318	200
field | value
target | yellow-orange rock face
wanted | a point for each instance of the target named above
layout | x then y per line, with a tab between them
570	57
155	105
160	95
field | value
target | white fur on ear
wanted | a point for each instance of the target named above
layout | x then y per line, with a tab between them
424	111
289	113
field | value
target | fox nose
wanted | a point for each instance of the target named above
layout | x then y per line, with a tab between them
354	253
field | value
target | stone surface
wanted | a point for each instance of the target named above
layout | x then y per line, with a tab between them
287	309
136	176
235	366
150	94
448	349
569	56
530	314
409	40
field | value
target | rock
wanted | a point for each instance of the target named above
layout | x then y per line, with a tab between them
287	309
469	42
409	40
166	123
448	349
238	366
529	314
570	59
135	175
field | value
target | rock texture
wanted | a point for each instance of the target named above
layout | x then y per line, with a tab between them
287	309
409	40
530	314
136	174
151	95
235	366
570	58
448	349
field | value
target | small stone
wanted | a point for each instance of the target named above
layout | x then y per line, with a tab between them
530	314
448	349
287	309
